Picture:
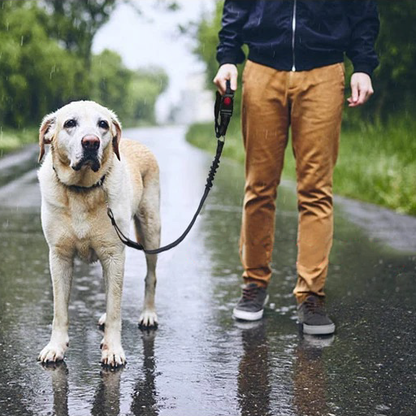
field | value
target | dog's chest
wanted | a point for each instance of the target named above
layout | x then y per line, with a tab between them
88	224
84	214
81	226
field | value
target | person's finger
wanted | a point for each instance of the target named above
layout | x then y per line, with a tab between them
220	84
354	92
362	94
365	94
369	93
351	103
234	85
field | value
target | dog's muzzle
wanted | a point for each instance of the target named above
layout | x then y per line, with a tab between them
90	145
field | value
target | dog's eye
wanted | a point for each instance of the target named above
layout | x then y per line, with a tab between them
70	123
103	124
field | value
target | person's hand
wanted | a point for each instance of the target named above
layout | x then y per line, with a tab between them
225	73
361	89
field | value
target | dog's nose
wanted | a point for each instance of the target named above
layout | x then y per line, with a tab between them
90	142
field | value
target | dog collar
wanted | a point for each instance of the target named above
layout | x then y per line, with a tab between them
78	188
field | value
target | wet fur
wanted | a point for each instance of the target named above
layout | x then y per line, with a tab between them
75	221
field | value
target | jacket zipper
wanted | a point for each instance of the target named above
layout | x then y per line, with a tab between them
293	35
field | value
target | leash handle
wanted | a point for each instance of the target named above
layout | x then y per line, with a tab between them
223	110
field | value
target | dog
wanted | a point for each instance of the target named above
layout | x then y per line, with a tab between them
88	169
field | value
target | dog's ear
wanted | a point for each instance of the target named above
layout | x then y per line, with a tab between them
46	133
116	132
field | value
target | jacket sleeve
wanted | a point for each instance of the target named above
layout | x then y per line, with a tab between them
365	24
235	15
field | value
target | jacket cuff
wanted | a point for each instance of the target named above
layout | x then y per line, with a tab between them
361	67
231	58
225	62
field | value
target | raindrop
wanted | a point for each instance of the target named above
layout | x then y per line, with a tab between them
21	40
382	407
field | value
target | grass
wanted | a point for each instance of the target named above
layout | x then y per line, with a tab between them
377	163
11	140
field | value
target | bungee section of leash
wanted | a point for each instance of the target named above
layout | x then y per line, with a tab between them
223	111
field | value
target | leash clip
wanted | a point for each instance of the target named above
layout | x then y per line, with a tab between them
223	110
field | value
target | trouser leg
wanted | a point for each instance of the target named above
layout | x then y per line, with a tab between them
265	121
317	103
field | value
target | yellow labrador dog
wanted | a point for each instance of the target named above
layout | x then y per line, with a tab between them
88	169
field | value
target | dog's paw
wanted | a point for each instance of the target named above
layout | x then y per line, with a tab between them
148	319
112	357
52	353
101	321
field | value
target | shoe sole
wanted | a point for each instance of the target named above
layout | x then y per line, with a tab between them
318	329
249	316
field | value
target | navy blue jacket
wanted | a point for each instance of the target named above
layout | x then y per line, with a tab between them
299	35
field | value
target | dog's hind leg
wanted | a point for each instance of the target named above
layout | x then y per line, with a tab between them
147	225
61	273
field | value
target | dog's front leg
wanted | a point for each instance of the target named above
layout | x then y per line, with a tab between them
112	351
61	273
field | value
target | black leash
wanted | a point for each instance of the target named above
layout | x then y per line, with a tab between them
223	110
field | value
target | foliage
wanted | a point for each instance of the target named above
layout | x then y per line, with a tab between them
110	78
75	23
46	62
207	38
26	95
394	80
12	139
146	86
132	94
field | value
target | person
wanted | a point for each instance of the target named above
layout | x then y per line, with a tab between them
294	77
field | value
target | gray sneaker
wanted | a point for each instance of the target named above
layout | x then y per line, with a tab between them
313	317
251	304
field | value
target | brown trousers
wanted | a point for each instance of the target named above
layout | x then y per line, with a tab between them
311	102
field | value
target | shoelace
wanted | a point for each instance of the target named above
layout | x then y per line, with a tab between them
250	293
315	306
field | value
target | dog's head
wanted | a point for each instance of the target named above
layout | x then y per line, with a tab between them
81	134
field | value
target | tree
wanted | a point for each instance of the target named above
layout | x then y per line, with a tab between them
37	74
145	88
133	94
75	23
395	79
110	82
41	73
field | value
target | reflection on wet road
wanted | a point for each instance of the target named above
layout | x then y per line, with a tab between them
199	361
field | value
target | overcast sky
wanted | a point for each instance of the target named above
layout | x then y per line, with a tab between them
153	39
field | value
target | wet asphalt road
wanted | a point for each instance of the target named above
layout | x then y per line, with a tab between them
199	361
